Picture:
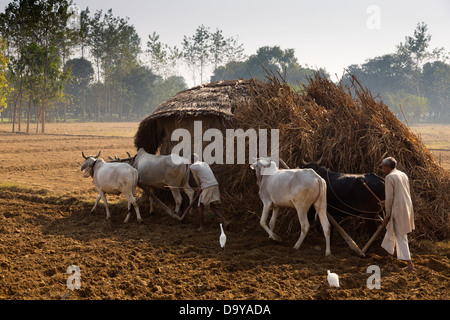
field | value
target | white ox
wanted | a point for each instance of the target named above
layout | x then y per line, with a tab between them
294	188
114	178
161	171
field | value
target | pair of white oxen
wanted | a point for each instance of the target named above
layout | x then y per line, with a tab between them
145	170
294	188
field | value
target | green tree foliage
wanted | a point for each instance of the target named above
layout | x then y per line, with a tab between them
414	76
203	49
436	87
390	72
163	58
38	28
224	50
267	59
407	105
4	86
196	51
166	88
81	75
117	53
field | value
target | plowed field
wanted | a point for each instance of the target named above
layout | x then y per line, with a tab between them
46	226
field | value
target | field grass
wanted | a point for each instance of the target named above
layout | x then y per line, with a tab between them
104	129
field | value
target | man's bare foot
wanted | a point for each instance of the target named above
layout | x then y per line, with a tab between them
409	269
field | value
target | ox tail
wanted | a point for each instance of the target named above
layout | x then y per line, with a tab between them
186	175
135	175
322	198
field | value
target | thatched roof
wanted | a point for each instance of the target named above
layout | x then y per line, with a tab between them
217	99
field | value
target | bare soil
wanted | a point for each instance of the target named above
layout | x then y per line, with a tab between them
46	226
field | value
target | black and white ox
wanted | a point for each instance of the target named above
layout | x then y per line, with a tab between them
113	178
162	171
294	188
349	193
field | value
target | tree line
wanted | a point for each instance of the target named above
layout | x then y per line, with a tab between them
414	80
60	63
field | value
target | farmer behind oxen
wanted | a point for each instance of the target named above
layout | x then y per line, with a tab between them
399	212
209	187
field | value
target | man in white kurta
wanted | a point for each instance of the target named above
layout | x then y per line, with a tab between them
399	212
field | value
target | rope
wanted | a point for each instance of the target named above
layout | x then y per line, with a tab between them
368	188
348	213
355	215
351	214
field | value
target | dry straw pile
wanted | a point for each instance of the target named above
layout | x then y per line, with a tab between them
351	131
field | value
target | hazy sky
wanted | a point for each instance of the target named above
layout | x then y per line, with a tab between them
329	34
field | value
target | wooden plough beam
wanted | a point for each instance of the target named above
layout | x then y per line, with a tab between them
375	235
162	204
352	244
166	208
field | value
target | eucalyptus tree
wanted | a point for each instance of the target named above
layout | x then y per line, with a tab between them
115	47
205	49
163	59
4	85
81	75
41	27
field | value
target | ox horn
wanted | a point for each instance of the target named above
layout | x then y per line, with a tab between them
98	155
283	163
82	153
320	160
304	162
126	159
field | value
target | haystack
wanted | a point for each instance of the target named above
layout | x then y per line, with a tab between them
352	132
347	127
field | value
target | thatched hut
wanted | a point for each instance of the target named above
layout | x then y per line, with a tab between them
214	104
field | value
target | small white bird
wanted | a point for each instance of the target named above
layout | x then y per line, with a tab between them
333	279
222	238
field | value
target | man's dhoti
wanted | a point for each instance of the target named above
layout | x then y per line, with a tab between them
209	194
394	240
